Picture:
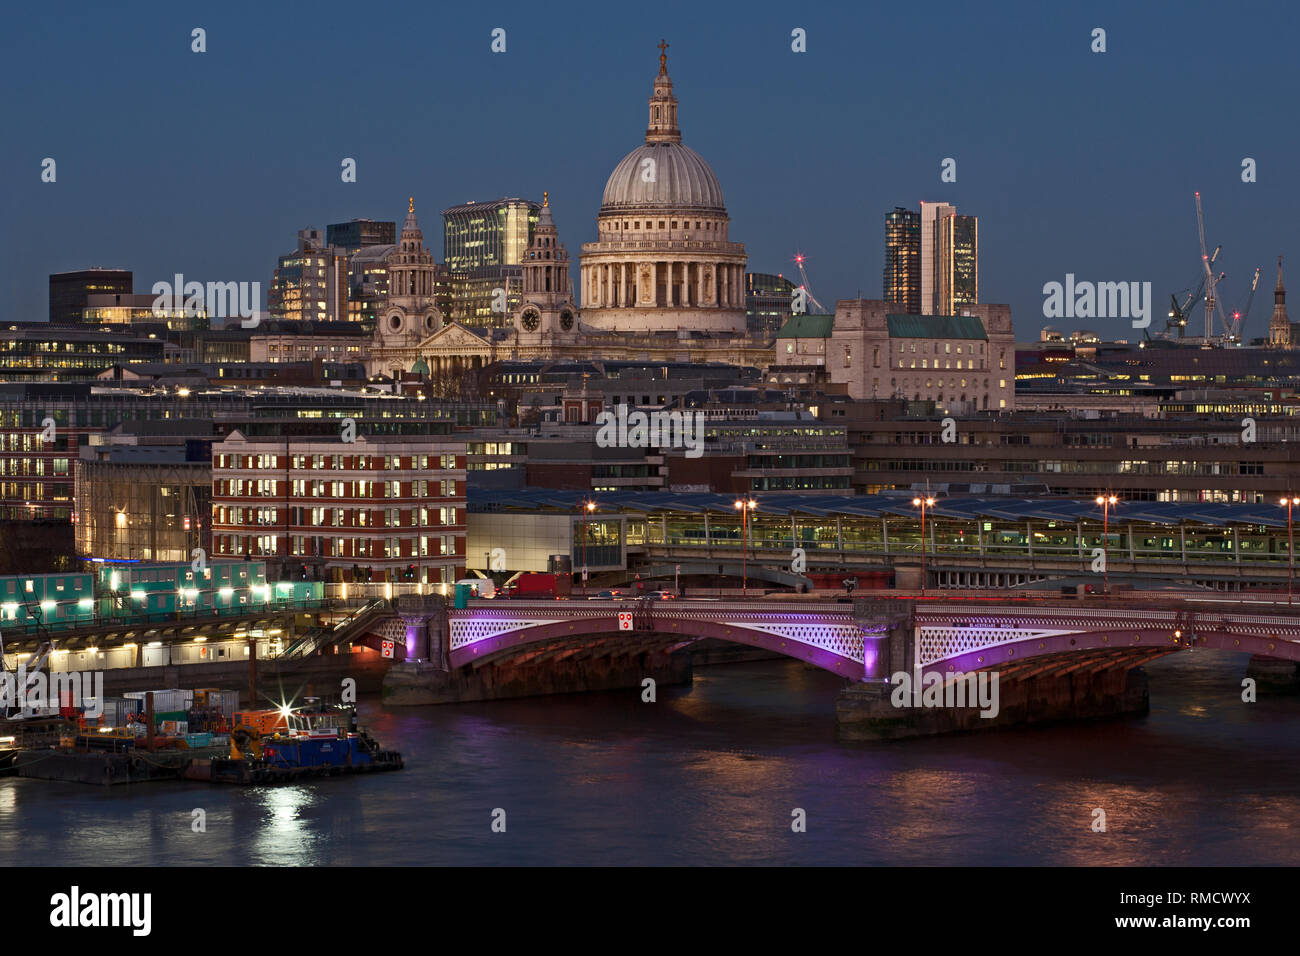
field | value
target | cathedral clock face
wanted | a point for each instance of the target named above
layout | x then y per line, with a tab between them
566	320
531	320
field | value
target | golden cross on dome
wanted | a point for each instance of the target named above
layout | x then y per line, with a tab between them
663	56
546	198
410	207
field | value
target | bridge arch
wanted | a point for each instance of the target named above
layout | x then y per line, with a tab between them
829	639
870	639
954	641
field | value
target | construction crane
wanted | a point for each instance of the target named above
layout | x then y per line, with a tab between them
1211	281
1239	318
1178	313
806	285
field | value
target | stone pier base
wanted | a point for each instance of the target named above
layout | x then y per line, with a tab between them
1273	674
409	685
865	711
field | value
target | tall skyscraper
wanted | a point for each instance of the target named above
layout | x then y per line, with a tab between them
69	291
949	259
958	260
356	233
903	259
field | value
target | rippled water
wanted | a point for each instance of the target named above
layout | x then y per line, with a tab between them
711	773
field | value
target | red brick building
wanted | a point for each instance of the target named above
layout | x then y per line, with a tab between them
384	508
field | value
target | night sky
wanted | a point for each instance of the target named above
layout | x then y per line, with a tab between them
208	164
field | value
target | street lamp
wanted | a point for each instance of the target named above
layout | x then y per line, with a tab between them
587	508
418	548
1290	546
923	503
744	506
1106	501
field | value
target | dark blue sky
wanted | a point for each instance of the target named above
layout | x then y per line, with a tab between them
208	164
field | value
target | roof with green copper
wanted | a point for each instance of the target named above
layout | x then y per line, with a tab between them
935	327
807	327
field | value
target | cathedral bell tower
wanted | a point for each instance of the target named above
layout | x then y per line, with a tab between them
546	312
408	314
1279	327
663	106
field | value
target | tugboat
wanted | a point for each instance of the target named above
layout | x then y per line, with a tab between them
284	745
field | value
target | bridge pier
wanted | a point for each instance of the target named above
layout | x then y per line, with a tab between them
425	617
888	639
896	698
868	711
1274	674
410	685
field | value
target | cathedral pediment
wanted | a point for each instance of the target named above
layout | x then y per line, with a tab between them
453	336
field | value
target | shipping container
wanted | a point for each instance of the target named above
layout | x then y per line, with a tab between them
201	695
113	710
227	701
165	699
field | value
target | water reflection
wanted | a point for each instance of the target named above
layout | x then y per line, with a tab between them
711	773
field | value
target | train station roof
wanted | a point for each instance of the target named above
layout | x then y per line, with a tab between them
966	507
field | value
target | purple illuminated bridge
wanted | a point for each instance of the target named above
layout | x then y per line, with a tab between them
870	639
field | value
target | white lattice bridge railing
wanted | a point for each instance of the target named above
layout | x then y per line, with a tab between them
857	645
831	638
950	638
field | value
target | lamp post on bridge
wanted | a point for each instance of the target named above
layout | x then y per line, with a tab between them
588	507
1288	501
923	503
745	506
1106	501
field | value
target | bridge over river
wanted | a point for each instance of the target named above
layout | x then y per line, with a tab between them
1058	658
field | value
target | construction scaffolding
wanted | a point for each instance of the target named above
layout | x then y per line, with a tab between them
128	511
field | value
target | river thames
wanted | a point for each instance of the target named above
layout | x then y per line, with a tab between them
711	774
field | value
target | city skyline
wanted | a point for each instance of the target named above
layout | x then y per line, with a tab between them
244	199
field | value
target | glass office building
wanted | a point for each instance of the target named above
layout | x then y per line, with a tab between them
479	235
310	283
958	263
468	295
768	300
358	233
119	309
903	259
69	291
